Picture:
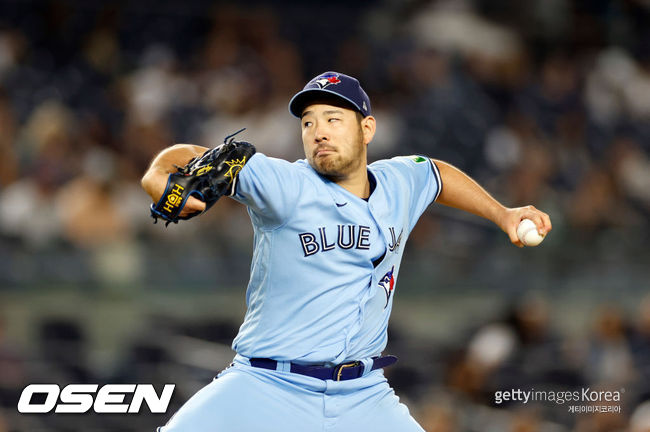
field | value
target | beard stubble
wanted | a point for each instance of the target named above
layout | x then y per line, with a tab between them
335	166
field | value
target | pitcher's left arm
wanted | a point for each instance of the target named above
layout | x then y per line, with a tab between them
462	192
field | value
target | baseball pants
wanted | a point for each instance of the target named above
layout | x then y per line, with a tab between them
243	398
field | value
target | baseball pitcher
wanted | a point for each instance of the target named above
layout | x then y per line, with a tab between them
329	234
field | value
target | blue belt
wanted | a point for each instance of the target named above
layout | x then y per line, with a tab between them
342	372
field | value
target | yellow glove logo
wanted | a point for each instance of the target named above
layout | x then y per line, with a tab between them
204	170
234	166
174	198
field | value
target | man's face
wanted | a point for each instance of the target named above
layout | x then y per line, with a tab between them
333	140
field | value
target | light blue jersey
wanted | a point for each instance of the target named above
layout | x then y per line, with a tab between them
323	276
326	262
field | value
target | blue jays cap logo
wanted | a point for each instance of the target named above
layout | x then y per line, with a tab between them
388	283
326	80
335	84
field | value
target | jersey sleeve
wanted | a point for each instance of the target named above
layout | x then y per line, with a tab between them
423	182
270	188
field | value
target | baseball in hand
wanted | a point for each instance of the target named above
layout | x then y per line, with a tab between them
527	233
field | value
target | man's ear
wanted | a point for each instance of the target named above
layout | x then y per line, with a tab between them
368	127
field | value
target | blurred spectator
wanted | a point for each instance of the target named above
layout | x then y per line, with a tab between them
439	415
640	419
88	208
63	350
640	347
12	371
9	162
610	359
631	170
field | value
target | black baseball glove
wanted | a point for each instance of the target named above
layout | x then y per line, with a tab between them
207	178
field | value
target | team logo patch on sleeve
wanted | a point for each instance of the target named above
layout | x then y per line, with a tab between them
413	158
388	283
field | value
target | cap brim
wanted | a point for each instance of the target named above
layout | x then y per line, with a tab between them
298	103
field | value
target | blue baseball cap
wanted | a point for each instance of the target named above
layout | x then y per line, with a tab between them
330	84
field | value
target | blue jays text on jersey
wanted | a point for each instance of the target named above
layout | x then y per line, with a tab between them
325	262
346	237
349	236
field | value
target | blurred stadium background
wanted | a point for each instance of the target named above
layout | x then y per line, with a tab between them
542	101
